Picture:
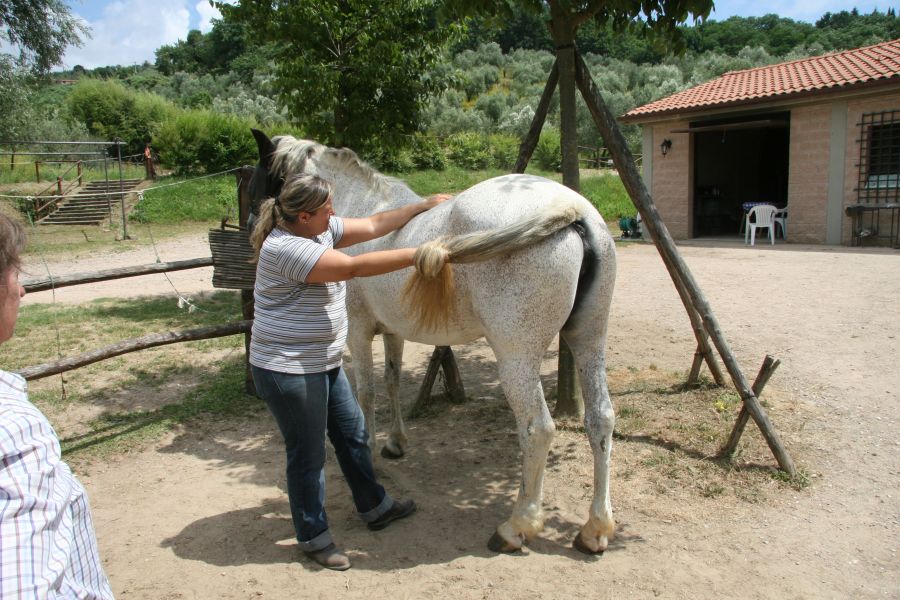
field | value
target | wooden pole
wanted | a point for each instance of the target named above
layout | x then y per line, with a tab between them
762	378
40	285
132	345
526	148
631	179
703	349
248	306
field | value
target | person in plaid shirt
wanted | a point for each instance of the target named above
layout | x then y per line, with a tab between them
47	544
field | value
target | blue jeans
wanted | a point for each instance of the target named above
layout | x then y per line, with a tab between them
307	407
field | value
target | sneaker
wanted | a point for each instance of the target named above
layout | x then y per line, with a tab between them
398	510
330	557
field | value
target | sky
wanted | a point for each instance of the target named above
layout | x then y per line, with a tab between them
128	32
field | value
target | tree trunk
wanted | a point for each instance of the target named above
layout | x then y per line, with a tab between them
570	402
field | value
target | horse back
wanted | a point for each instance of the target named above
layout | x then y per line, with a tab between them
512	292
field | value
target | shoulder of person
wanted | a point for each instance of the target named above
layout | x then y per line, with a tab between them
24	429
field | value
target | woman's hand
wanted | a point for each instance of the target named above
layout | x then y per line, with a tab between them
435	199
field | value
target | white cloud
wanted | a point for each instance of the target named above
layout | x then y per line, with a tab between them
207	13
129	32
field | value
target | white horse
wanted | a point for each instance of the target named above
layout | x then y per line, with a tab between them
518	298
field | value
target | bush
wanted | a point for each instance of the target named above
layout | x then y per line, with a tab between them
110	111
504	151
201	141
427	153
468	150
393	159
548	154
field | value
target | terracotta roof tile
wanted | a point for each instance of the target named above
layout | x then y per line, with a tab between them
831	71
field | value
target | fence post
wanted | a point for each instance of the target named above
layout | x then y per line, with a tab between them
247	304
80	173
59	185
37	170
12	161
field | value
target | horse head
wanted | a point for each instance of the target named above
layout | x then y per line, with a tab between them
265	182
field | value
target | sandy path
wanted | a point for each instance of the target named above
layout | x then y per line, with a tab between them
196	515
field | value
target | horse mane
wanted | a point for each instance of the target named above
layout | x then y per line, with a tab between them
291	154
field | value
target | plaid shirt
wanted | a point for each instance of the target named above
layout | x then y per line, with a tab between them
47	543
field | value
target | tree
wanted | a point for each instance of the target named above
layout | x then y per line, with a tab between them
40	30
351	71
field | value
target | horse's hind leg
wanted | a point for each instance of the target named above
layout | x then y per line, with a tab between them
599	420
521	383
393	359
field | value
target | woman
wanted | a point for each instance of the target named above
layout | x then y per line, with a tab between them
46	534
297	342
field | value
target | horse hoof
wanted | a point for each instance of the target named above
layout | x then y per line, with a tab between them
498	544
579	545
386	452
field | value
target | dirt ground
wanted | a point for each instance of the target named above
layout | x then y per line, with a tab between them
202	513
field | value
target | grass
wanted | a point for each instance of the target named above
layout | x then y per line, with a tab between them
603	189
179	199
166	386
672	437
166	211
47	330
218	394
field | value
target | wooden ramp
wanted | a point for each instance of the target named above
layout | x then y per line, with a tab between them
91	204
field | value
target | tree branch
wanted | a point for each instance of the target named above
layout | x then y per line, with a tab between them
588	13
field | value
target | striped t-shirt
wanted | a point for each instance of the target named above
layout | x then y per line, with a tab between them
298	327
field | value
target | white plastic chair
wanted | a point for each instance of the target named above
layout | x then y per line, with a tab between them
780	219
759	217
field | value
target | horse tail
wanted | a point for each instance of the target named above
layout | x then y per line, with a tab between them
430	290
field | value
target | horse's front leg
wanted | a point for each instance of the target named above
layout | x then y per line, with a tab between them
359	340
521	383
393	360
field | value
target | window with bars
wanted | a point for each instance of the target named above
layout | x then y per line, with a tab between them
879	158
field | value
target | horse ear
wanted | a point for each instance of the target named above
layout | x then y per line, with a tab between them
265	145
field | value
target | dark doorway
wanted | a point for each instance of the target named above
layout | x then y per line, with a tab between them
735	162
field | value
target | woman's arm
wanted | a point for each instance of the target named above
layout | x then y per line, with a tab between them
337	266
368	228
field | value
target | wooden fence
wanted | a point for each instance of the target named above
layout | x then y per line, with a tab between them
151	340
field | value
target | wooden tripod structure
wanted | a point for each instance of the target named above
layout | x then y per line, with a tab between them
703	321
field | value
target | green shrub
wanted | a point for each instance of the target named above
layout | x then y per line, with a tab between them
468	150
547	154
110	111
504	151
427	153
397	160
201	141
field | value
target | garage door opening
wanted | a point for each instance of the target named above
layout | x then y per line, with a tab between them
736	163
